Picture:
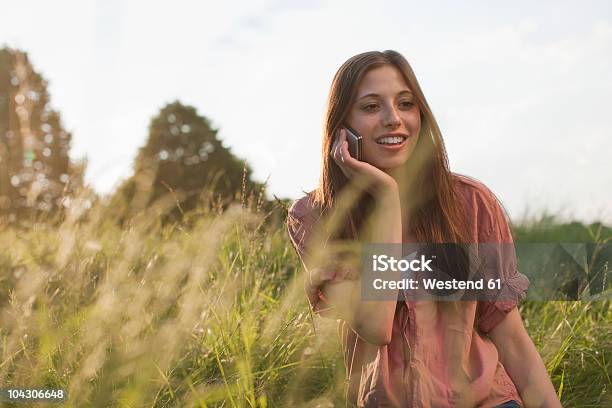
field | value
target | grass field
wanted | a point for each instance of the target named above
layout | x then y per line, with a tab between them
214	315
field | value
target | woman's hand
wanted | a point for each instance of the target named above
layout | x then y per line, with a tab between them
374	179
332	273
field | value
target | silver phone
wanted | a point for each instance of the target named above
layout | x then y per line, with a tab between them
354	143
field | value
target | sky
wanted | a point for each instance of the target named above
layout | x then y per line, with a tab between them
520	89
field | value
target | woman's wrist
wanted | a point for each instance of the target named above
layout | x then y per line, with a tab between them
389	203
387	218
388	193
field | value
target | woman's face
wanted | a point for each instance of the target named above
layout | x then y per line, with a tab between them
387	117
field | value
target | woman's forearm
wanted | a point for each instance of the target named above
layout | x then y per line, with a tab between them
523	363
372	320
531	378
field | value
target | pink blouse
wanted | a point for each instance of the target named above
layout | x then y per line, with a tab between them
439	354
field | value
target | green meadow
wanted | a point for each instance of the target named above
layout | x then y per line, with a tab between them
209	311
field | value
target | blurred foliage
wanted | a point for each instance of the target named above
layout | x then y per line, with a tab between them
36	174
564	269
182	164
548	228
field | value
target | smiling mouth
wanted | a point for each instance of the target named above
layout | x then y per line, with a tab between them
391	140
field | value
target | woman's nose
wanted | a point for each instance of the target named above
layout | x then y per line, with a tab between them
391	118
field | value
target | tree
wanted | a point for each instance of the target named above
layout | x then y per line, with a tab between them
36	173
185	163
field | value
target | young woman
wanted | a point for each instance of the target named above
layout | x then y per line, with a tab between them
411	353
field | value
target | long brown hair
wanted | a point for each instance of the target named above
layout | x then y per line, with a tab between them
435	213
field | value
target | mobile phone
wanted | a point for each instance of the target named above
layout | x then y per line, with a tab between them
354	143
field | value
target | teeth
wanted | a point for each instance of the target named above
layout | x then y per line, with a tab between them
391	140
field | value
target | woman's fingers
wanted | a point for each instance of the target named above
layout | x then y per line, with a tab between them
342	156
355	167
334	151
335	271
338	155
312	292
346	272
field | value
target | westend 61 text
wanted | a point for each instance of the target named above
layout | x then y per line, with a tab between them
384	263
431	283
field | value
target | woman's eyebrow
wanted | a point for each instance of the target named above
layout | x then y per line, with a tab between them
373	94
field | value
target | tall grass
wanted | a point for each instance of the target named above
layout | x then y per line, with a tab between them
212	315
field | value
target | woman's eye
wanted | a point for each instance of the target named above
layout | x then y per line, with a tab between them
370	106
406	104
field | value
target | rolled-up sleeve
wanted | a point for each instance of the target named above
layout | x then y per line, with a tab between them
494	235
300	222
